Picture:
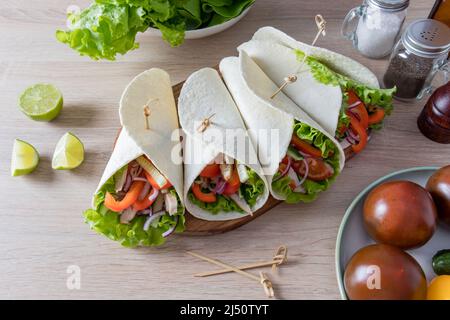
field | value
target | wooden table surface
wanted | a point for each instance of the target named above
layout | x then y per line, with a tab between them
42	230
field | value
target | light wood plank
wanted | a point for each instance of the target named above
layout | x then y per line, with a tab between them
42	227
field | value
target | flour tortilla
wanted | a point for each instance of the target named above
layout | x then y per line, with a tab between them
274	52
157	143
249	86
203	95
338	62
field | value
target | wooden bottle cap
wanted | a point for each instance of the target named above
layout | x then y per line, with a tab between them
434	120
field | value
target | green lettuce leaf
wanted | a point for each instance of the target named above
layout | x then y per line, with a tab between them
102	30
109	27
107	222
312	188
252	189
370	96
222	204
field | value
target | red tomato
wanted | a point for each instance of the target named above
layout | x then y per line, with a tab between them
233	183
200	195
319	170
211	171
377	116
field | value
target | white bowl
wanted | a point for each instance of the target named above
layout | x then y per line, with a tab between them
205	32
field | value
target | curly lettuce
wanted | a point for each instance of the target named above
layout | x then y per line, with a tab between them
369	96
222	204
252	189
107	222
109	27
330	154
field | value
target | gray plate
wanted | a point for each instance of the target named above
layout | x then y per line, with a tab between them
352	236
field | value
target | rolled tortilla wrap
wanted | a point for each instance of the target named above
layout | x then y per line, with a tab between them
161	142
249	86
338	62
142	168
203	95
321	102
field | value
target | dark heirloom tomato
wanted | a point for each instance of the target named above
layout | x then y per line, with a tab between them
400	213
439	187
383	272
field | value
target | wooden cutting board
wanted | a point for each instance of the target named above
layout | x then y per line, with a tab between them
197	227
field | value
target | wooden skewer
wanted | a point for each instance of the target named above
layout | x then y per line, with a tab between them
205	123
146	115
279	258
321	25
267	284
242	267
288	80
262	279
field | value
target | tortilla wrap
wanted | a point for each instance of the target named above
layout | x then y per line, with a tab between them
249	86
203	95
338	62
156	143
275	53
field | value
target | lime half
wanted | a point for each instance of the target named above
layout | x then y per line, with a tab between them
69	153
24	159
41	102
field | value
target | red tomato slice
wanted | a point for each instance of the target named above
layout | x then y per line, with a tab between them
200	195
318	169
210	171
305	147
233	183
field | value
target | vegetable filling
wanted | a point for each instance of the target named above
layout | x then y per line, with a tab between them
137	206
311	164
225	186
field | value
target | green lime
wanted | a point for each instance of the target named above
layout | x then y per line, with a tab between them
69	153
41	102
24	159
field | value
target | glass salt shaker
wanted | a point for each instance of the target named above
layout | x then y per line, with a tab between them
374	26
417	58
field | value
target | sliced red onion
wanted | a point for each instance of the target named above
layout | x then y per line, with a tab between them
144	191
350	140
300	189
152	218
352	135
304	155
172	229
355	115
294	177
220	186
127	184
306	173
140	179
285	171
153	195
354	105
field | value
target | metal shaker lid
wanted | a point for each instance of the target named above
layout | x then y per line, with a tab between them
391	5
427	37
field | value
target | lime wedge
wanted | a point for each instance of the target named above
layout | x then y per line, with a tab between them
69	153
41	102
24	159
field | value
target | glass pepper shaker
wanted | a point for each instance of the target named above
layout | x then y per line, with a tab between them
374	26
418	56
